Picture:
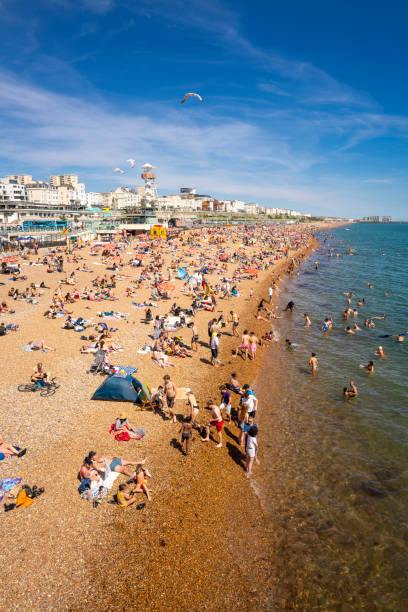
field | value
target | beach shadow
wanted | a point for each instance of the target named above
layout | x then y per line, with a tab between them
176	444
203	360
231	435
236	454
204	344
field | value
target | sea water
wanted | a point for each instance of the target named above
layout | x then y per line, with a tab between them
334	475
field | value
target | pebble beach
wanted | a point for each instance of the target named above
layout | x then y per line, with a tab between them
202	542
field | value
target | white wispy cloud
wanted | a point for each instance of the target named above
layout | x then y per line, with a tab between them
386	181
52	131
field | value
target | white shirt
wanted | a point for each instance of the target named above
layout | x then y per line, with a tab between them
251	444
250	403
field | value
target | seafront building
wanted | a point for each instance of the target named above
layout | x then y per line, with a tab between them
48	210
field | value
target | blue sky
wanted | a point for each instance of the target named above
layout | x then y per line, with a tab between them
304	102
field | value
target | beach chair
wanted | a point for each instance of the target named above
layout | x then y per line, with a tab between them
145	398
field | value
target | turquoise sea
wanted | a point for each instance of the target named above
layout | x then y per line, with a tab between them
334	476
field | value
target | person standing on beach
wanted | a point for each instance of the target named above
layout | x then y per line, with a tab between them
314	364
194	338
215	341
170	391
192	403
270	291
186	431
251	449
253	343
225	402
216	421
235	322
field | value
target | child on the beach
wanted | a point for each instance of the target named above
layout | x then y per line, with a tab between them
186	431
251	449
124	496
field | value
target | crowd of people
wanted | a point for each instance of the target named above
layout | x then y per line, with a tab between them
206	268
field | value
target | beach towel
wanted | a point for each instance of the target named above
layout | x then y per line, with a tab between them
7	484
123	436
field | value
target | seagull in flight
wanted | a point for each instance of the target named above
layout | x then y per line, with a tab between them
191	95
119	171
131	162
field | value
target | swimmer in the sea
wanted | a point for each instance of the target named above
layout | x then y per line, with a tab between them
348	330
307	320
369	367
351	391
380	352
356	327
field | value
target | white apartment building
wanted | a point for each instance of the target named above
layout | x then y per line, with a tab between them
80	193
171	202
11	190
123	197
57	180
252	208
67	195
23	179
94	199
42	193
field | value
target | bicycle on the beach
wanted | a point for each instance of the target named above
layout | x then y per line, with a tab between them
46	389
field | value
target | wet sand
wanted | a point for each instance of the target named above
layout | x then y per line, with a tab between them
202	543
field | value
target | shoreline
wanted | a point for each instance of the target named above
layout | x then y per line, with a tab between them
159	557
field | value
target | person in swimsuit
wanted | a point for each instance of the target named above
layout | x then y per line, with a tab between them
192	402
216	421
170	391
112	464
244	347
308	322
124	496
235	322
234	384
380	352
140	478
9	449
369	367
186	431
194	338
314	364
351	392
253	342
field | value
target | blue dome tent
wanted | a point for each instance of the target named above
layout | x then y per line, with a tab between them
122	387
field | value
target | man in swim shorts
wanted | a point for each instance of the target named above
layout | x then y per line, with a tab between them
216	421
170	393
235	323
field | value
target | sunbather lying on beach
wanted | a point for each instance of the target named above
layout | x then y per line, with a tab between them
113	464
8	449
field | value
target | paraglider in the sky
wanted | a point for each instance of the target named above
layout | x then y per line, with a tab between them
131	162
191	95
119	171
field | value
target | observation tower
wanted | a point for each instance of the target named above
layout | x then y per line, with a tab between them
150	190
